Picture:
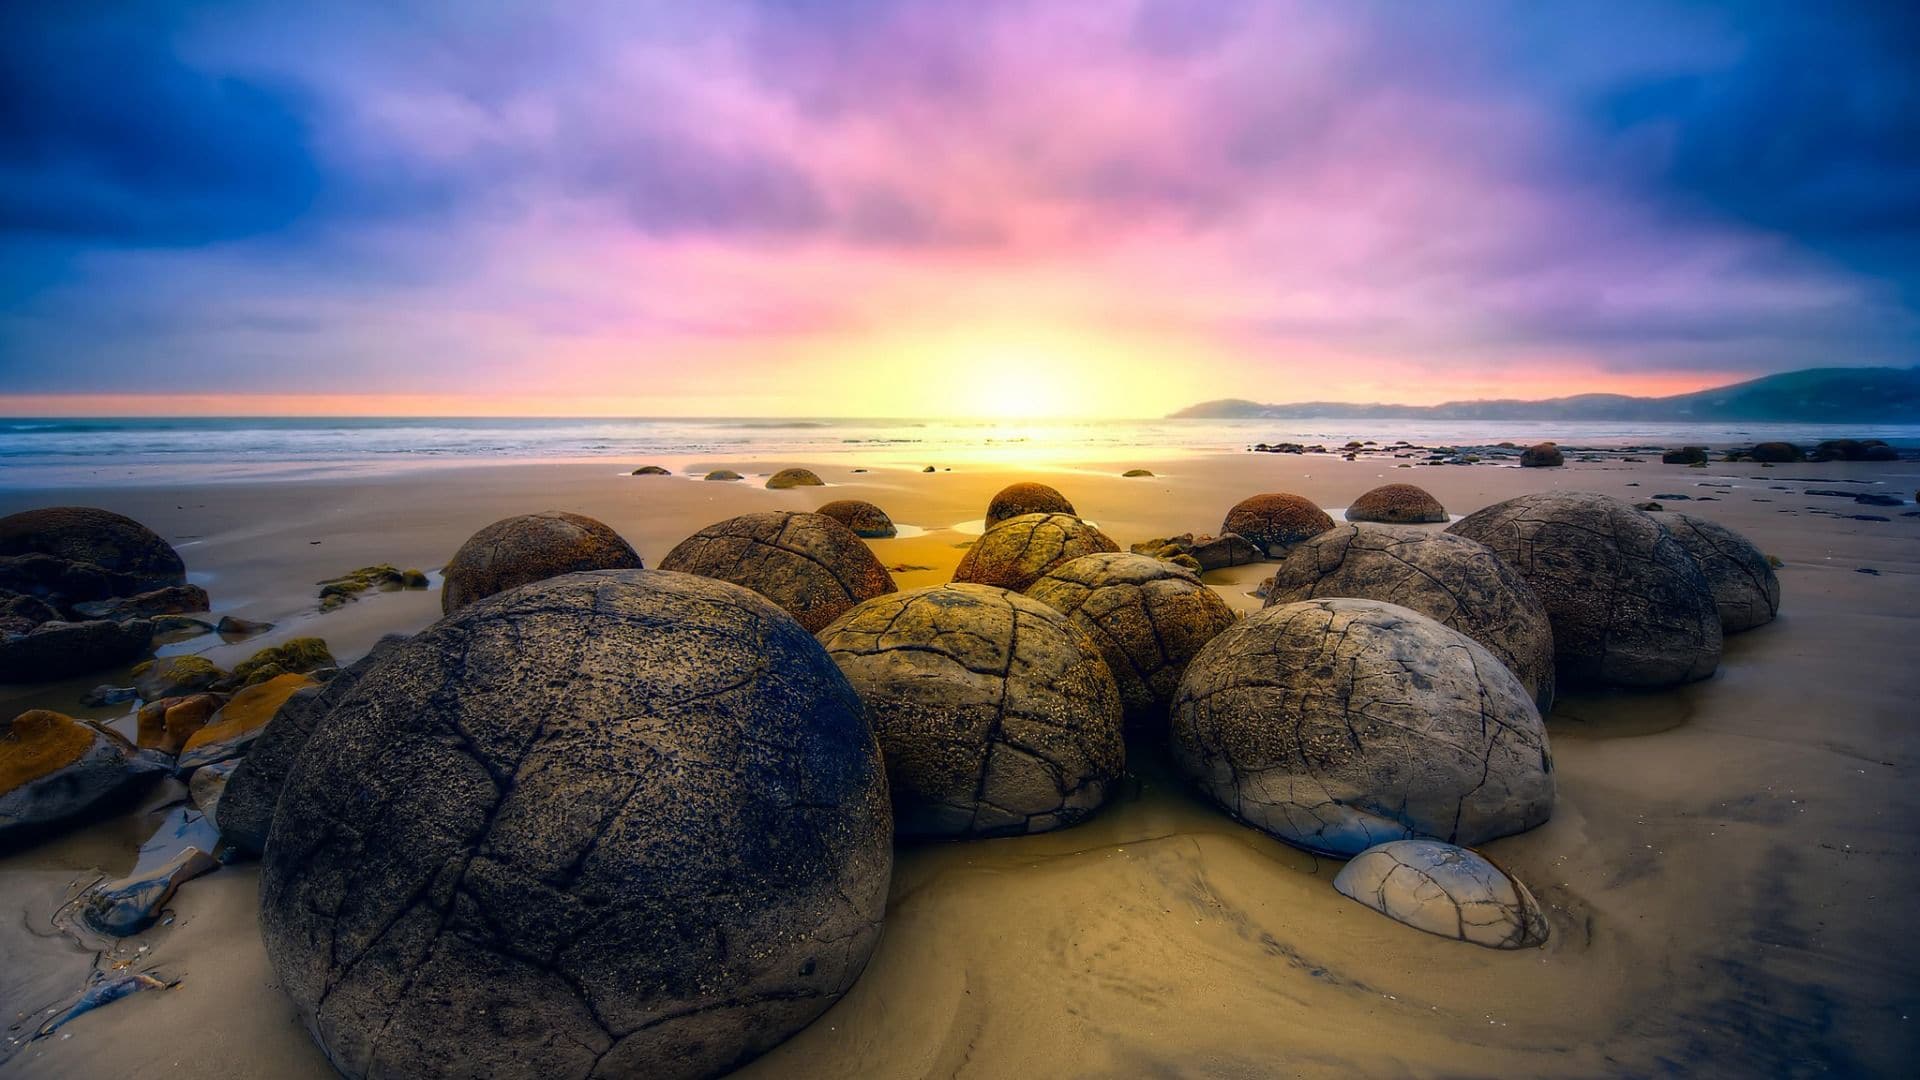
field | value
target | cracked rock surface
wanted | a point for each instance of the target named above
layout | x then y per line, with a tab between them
1026	497
1397	504
624	823
1276	521
1339	724
1147	617
1445	890
531	547
867	521
1451	579
1019	551
1746	592
812	566
1629	605
996	715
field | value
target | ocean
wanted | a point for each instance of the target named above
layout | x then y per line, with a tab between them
63	452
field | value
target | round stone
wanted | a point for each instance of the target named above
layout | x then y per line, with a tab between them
723	474
996	715
1026	497
531	547
1746	592
865	519
1629	605
1542	456
1453	580
623	823
812	566
1445	890
793	478
1148	618
83	534
1397	504
1019	551
1336	725
1276	521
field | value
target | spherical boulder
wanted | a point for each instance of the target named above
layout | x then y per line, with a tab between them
56	771
723	474
1026	497
1445	890
812	566
1336	725
1397	504
995	714
1276	521
1015	553
793	478
865	519
1542	456
1746	592
621	823
1453	580
1147	617
83	534
1629	605
530	547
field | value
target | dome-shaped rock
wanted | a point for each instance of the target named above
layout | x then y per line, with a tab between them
1777	452
1340	724
1542	456
530	547
650	470
812	566
1397	504
1629	605
56	771
865	519
1451	579
82	534
793	478
994	713
1015	553
1746	592
1147	617
723	474
1276	521
1026	497
1445	890
624	823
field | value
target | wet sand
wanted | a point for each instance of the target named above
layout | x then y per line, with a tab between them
1729	872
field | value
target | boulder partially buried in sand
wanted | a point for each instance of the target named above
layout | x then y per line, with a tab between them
1017	552
1453	580
793	478
1746	592
1276	521
1542	456
865	519
1026	497
1336	725
1629	605
1445	890
83	534
56	771
625	823
1147	617
995	715
531	547
1397	504
812	566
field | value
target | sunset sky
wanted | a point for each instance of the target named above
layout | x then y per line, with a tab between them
919	209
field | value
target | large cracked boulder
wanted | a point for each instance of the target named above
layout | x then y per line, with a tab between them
56	771
1147	617
530	547
1629	605
101	538
1746	591
1276	521
1019	551
1445	890
1453	580
1336	725
624	823
996	715
1397	504
812	566
1026	497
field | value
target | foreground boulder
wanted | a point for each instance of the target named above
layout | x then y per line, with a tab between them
1276	521
61	650
1026	497
531	547
1445	890
1397	504
1453	580
56	771
101	538
1746	592
1017	552
1629	605
1147	618
867	521
995	715
812	566
625	823
1336	725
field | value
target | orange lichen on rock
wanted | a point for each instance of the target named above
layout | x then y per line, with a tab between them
249	710
40	742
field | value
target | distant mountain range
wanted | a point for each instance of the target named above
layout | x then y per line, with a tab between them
1881	395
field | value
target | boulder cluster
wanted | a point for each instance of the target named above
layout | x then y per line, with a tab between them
79	588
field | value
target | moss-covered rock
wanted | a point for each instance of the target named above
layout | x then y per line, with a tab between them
229	732
348	586
56	771
293	656
166	725
174	676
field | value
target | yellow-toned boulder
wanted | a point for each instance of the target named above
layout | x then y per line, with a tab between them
56	771
167	724
229	732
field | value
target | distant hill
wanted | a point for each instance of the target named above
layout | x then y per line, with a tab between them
1817	395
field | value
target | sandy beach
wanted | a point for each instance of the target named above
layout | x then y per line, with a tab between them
1728	871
